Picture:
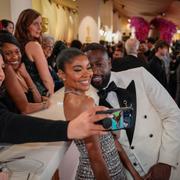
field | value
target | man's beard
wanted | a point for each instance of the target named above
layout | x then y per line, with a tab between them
104	83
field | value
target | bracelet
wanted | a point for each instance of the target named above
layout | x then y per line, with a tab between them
44	104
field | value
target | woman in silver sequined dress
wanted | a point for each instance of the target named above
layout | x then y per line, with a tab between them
99	158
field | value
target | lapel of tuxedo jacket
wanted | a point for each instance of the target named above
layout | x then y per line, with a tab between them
126	97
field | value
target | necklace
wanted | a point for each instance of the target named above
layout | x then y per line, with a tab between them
67	91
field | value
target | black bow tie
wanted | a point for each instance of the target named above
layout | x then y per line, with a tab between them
104	92
126	97
121	94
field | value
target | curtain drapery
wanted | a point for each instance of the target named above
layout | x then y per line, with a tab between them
62	21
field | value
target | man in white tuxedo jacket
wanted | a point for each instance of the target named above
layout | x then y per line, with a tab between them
155	147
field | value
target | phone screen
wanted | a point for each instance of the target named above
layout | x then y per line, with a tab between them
121	120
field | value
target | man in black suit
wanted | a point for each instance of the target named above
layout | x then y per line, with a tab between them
131	60
157	66
150	52
117	56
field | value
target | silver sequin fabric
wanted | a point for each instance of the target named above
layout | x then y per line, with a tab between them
110	155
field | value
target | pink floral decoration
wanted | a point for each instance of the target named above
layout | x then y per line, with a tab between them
141	27
166	28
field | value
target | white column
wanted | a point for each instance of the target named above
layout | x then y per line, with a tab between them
117	35
5	12
10	9
88	20
106	19
106	14
16	6
116	24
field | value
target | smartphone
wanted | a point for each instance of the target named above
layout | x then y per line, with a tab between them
122	118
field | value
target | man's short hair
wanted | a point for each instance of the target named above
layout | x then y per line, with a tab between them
76	44
96	47
46	38
120	47
131	46
161	44
151	40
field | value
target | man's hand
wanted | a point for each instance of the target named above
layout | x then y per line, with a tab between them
159	171
84	125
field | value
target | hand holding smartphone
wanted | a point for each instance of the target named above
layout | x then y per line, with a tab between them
122	119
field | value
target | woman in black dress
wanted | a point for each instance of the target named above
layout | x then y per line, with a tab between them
18	82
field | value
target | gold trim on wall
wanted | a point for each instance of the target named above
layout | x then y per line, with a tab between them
88	37
45	24
66	3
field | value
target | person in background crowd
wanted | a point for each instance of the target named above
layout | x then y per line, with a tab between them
110	50
76	44
153	142
117	56
47	45
7	25
142	50
178	81
4	96
131	60
58	47
150	52
18	82
173	76
167	59
173	67
28	33
157	65
119	51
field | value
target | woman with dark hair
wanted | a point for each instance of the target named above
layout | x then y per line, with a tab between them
28	32
76	44
5	99
58	47
47	45
7	25
18	82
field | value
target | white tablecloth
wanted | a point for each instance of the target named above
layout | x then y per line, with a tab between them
40	163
